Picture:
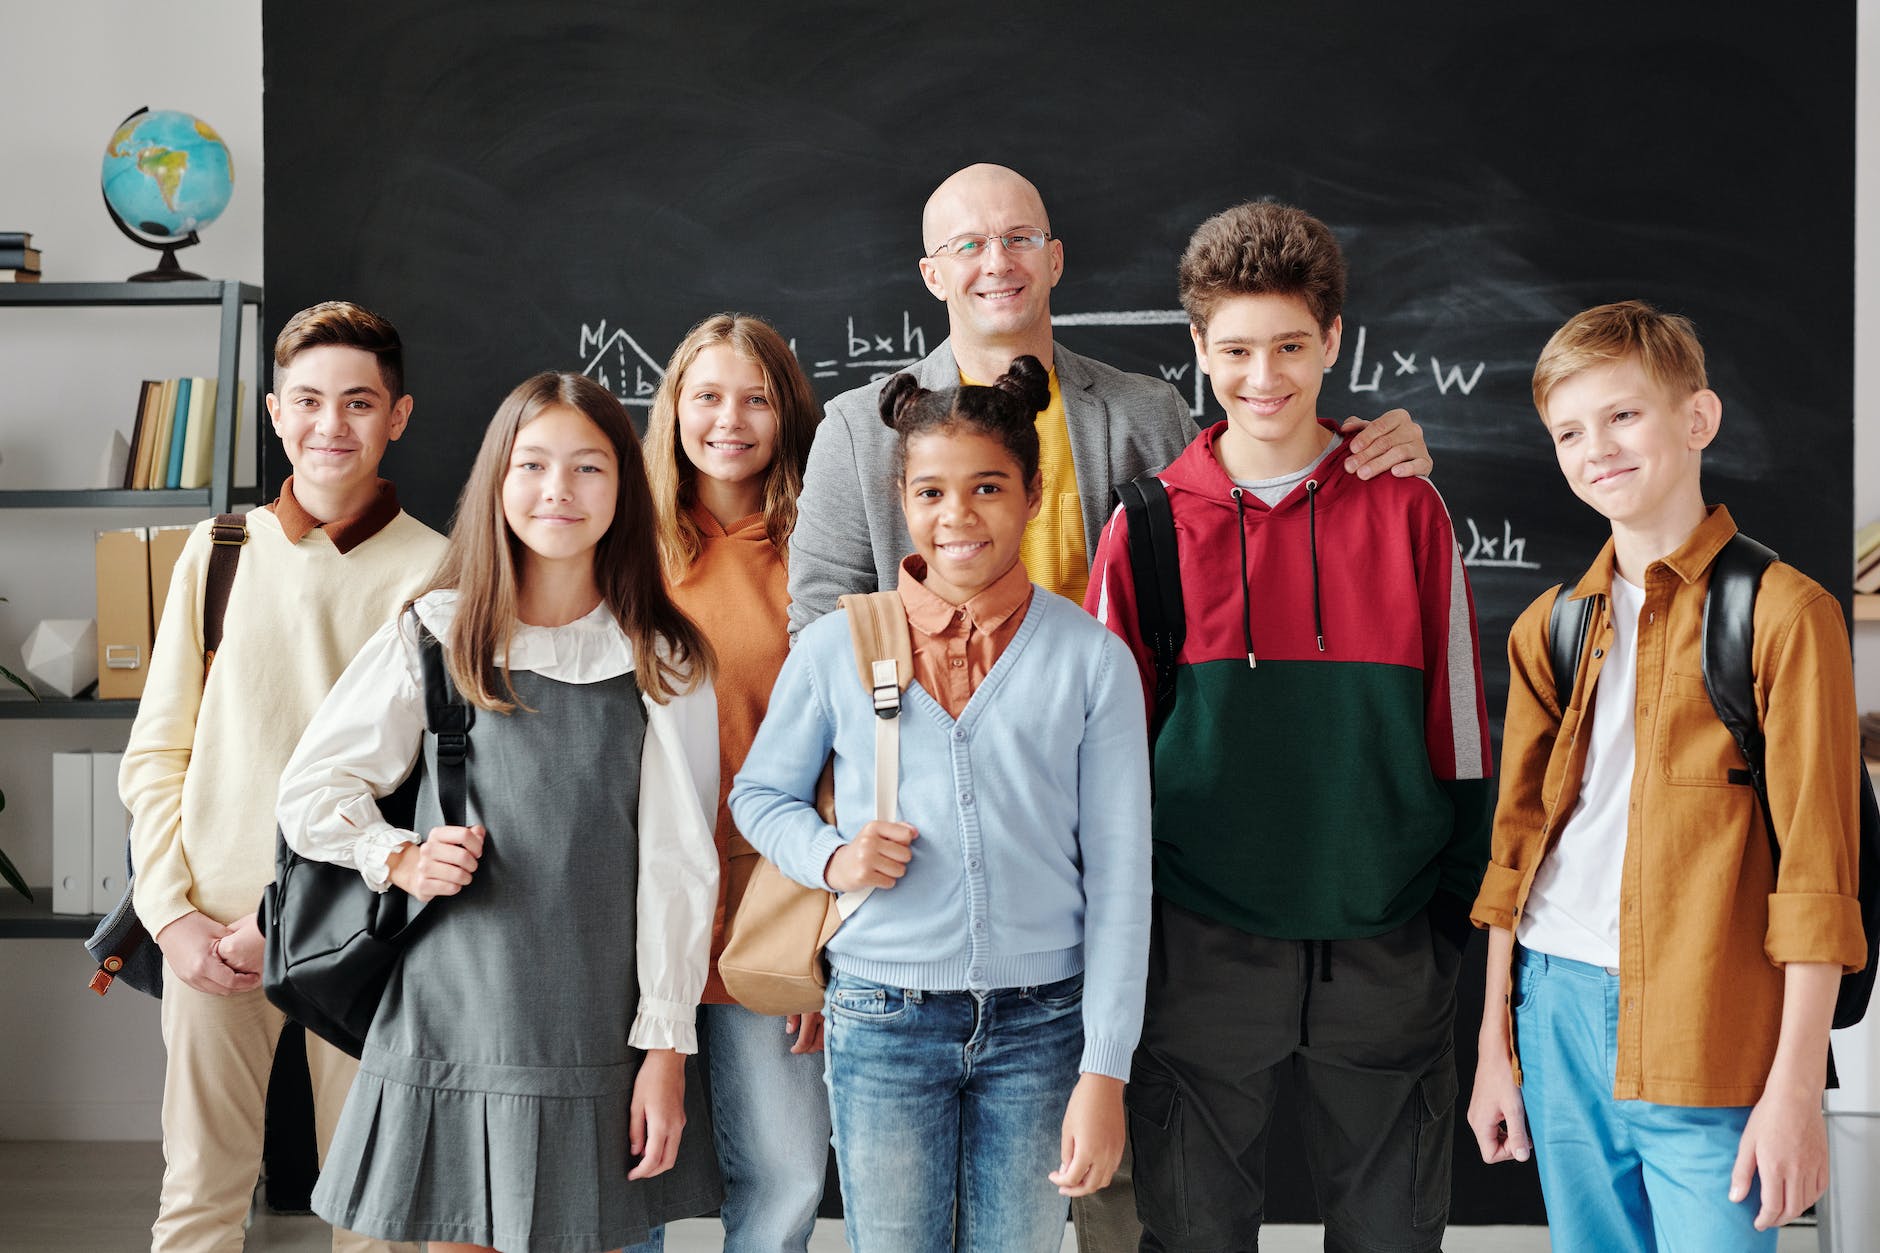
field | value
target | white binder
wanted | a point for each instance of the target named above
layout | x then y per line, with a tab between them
110	825
71	833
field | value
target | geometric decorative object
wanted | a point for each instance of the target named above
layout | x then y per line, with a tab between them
61	655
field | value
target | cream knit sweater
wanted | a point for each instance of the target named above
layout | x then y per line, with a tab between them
204	760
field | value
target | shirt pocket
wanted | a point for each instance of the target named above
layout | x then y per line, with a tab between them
1693	747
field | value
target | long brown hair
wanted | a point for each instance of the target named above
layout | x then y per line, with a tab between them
674	478
669	652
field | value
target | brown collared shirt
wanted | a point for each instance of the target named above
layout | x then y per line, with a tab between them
956	645
1704	927
346	533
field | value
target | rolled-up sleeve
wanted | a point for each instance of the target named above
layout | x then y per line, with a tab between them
1805	680
1527	745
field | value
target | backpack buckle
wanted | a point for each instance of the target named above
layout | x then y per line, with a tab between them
452	747
228	535
886	689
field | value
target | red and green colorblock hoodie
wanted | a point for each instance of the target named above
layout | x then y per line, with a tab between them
1324	772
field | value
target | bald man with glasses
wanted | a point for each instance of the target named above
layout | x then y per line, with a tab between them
990	256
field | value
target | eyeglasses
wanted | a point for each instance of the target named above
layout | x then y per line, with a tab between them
973	244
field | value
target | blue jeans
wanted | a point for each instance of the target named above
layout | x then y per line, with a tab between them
770	1117
770	1113
948	1107
1619	1174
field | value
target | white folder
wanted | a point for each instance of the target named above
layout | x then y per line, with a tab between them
110	826
71	833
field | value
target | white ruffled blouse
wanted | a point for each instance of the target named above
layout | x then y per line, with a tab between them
367	736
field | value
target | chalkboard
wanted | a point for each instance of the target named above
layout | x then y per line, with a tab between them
571	185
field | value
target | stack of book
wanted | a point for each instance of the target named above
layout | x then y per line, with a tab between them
173	438
19	260
1867	558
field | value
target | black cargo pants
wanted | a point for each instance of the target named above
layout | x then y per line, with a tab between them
1365	1028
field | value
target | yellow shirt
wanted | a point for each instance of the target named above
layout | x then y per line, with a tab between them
1053	548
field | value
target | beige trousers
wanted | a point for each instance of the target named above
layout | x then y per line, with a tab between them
215	1090
1106	1221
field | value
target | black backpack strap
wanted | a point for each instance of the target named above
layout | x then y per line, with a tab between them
1729	677
227	534
1154	566
448	717
1566	640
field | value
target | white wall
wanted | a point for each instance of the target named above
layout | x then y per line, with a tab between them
77	1066
80	1067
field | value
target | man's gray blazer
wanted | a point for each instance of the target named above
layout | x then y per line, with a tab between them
850	535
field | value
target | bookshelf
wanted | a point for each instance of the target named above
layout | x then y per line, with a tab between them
21	919
231	297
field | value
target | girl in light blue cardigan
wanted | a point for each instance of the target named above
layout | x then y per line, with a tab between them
985	1000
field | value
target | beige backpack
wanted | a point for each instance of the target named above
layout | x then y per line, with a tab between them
776	928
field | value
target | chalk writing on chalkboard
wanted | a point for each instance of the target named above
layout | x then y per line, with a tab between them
1447	377
617	361
1506	551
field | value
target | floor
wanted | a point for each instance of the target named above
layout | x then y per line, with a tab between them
72	1197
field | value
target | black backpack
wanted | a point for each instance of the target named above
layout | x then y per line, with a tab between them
1155	569
1729	605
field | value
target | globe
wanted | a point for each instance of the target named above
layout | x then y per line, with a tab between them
167	173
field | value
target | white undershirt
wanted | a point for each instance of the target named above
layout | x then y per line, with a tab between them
1572	910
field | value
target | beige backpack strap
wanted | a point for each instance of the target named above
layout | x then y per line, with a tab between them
884	660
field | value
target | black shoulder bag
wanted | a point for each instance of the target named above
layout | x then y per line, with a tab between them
332	942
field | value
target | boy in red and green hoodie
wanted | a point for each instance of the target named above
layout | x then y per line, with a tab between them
1322	783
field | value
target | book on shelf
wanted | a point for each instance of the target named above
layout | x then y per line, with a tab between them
16	239
1866	542
156	432
172	475
1867	575
198	461
137	431
19	276
19	258
173	433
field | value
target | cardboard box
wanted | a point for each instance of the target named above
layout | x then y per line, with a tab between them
110	829
124	622
71	833
166	545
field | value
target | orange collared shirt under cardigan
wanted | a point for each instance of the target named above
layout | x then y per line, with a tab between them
956	645
1703	931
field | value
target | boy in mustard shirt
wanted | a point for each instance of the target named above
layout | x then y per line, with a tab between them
1670	995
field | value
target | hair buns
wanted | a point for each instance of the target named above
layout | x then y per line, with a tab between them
1029	381
895	394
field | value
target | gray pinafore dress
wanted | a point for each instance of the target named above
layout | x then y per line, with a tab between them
492	1100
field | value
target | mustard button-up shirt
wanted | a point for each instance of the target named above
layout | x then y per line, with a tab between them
1704	928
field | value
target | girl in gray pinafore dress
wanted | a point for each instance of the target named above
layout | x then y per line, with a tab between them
499	1102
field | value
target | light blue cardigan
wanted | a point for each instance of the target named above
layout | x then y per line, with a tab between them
1032	861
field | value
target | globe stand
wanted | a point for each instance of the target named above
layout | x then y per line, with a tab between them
167	271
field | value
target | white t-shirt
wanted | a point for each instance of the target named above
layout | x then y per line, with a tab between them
1573	908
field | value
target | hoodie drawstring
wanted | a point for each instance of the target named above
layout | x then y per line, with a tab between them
1322	950
1312	517
1246	596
